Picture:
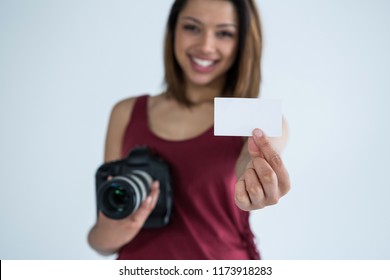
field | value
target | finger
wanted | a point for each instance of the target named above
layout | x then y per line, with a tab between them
272	157
254	189
155	191
253	150
142	213
268	180
241	196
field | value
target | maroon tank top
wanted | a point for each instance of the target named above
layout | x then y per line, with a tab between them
205	222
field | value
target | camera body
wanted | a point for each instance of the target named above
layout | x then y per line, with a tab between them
122	195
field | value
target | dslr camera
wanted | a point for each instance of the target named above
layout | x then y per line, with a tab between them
130	185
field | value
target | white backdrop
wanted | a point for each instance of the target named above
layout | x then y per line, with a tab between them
63	64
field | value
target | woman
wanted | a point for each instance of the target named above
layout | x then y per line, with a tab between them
212	48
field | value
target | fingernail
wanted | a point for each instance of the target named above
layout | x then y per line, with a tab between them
257	132
156	184
148	200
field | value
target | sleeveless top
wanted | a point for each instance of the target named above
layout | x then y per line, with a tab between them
205	222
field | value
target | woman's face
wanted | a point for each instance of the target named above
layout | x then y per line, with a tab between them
206	40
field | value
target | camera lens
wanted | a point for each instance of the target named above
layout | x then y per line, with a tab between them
118	199
121	196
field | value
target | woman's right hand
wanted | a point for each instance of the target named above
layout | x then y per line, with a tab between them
109	235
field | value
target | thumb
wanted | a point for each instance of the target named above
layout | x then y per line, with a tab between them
253	150
147	206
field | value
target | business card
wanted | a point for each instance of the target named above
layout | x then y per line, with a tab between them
240	116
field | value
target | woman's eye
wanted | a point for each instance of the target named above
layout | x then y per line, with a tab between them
225	34
191	28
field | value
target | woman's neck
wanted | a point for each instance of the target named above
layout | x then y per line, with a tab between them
203	94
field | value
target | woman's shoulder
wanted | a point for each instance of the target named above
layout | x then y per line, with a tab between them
123	108
124	105
119	118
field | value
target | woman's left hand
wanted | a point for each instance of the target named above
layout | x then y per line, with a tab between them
265	179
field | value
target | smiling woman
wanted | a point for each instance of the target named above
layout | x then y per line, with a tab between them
206	43
212	48
235	34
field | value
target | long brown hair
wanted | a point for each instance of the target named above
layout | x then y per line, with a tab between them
243	78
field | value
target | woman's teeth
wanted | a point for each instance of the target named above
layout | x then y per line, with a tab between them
202	62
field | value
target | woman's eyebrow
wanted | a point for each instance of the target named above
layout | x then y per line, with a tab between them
201	23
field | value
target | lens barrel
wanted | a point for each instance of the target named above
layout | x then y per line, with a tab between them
123	195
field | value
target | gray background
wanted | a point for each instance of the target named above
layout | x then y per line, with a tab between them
63	64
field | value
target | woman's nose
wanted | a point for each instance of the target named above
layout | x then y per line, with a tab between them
207	43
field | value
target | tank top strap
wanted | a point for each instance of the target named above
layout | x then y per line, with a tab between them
139	115
138	122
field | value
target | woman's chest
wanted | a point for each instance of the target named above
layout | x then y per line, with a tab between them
180	124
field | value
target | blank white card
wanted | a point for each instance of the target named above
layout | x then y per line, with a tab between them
240	116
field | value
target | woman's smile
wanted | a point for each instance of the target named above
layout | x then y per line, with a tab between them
203	65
